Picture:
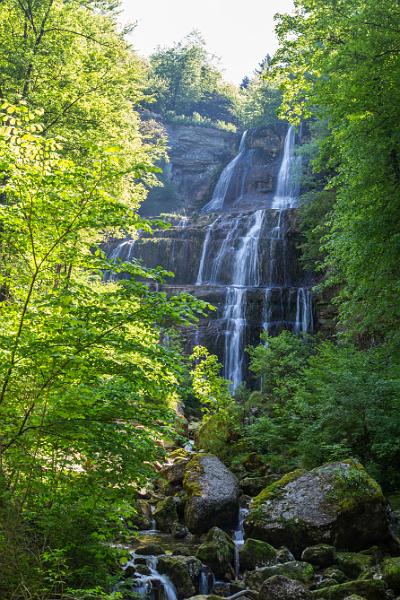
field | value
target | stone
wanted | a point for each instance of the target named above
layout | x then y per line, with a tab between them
183	571
299	571
218	553
142	570
284	555
337	504
174	472
255	553
354	597
166	515
353	564
149	550
391	573
282	588
142	517
321	555
213	494
336	574
370	589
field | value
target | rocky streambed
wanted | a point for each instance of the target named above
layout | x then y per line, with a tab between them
320	534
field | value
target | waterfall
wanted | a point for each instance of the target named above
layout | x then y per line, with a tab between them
221	189
288	187
122	252
238	539
144	584
232	256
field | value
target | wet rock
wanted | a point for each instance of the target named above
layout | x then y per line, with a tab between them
282	588
150	550
180	531
336	574
284	555
129	571
184	572
166	515
296	570
213	494
391	573
337	504
321	555
353	564
142	517
142	570
218	553
256	553
370	589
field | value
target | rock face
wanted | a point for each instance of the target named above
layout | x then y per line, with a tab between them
336	504
197	156
213	494
296	570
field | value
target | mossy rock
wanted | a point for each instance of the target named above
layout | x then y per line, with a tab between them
251	486
336	574
184	572
371	589
212	494
166	515
337	504
321	555
391	573
354	564
150	550
256	553
218	553
295	570
354	597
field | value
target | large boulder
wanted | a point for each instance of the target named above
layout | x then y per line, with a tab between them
296	570
213	494
321	555
256	553
391	573
279	587
370	589
183	571
218	553
337	503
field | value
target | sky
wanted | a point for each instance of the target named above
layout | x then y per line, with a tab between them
239	32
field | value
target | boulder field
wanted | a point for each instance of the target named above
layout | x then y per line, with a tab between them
323	534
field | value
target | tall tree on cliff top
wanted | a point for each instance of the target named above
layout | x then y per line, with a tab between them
339	61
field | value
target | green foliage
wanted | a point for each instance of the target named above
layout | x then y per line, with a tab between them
184	80
325	402
339	62
260	101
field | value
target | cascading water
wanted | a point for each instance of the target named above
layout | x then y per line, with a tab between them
221	189
232	256
238	539
144	585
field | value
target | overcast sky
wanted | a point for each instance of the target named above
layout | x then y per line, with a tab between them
239	32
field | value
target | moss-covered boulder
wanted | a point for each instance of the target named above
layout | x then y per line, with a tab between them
175	470
370	589
279	587
256	553
183	571
391	573
218	553
166	515
337	504
213	494
321	555
354	564
354	597
297	570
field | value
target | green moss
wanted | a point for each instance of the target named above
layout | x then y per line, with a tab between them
391	573
193	472
275	488
256	553
352	486
371	589
354	564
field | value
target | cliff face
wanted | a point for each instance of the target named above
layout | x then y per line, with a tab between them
242	257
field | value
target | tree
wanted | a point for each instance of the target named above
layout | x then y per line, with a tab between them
339	62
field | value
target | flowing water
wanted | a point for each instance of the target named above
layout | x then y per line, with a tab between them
244	251
238	539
